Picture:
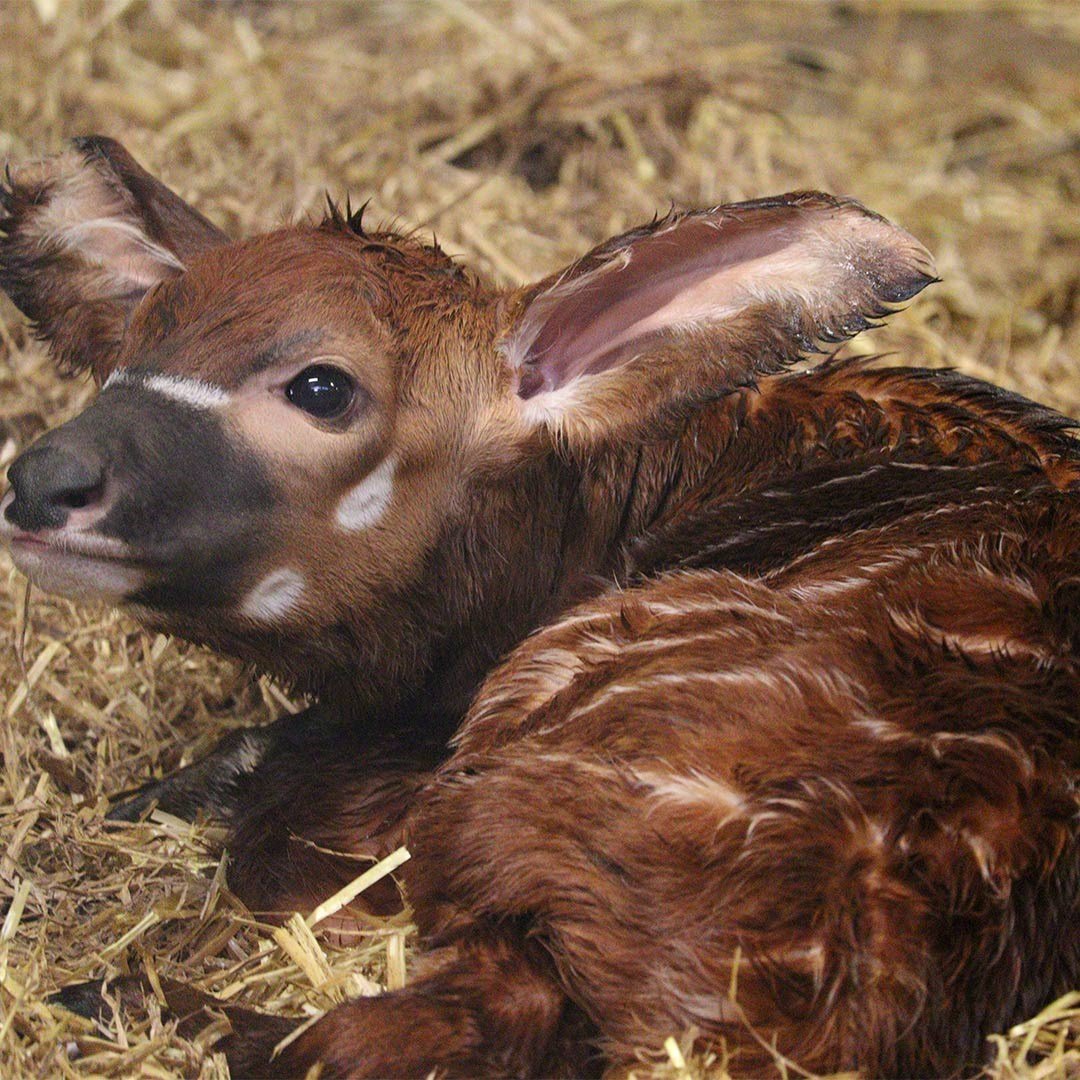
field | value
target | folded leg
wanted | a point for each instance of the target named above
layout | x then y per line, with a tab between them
316	814
309	800
488	1006
214	785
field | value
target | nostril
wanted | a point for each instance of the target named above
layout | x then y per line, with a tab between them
79	498
51	481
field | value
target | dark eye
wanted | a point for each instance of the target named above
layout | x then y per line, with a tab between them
322	391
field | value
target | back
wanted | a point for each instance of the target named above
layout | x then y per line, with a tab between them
825	760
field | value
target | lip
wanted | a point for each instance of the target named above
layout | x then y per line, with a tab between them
76	564
72	545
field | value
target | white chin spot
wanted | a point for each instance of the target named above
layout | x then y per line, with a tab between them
365	504
274	597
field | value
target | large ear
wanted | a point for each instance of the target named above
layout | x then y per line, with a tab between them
694	305
84	235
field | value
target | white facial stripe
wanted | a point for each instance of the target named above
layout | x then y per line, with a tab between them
275	596
361	507
193	392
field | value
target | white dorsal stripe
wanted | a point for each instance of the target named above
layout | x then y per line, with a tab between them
366	503
275	596
193	392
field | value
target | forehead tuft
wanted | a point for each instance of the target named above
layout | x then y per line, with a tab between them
402	248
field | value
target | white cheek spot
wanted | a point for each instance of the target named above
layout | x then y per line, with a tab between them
275	596
192	392
364	504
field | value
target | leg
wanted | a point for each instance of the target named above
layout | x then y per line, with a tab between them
214	784
316	814
488	1006
310	807
310	801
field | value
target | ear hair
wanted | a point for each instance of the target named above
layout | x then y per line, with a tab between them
84	235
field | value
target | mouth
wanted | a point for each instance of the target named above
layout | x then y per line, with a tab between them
79	565
71	545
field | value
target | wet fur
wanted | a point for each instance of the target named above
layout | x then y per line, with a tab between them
842	748
708	676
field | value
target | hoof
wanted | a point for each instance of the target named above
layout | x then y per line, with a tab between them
95	1000
133	806
209	787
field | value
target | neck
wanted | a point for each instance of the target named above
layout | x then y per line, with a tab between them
553	535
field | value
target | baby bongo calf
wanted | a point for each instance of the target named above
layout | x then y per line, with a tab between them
678	671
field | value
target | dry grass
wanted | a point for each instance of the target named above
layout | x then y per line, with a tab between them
522	133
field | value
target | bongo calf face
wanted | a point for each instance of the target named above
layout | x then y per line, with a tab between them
293	428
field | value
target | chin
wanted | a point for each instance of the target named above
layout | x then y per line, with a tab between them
76	575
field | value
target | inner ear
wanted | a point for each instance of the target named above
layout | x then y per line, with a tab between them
84	235
823	266
157	213
678	275
109	212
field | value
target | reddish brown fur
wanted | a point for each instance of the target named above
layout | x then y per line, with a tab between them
876	737
797	717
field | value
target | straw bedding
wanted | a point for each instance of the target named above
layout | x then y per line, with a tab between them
521	133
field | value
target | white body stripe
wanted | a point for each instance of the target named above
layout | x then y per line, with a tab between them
364	504
193	392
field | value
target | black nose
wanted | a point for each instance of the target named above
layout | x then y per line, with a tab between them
49	482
